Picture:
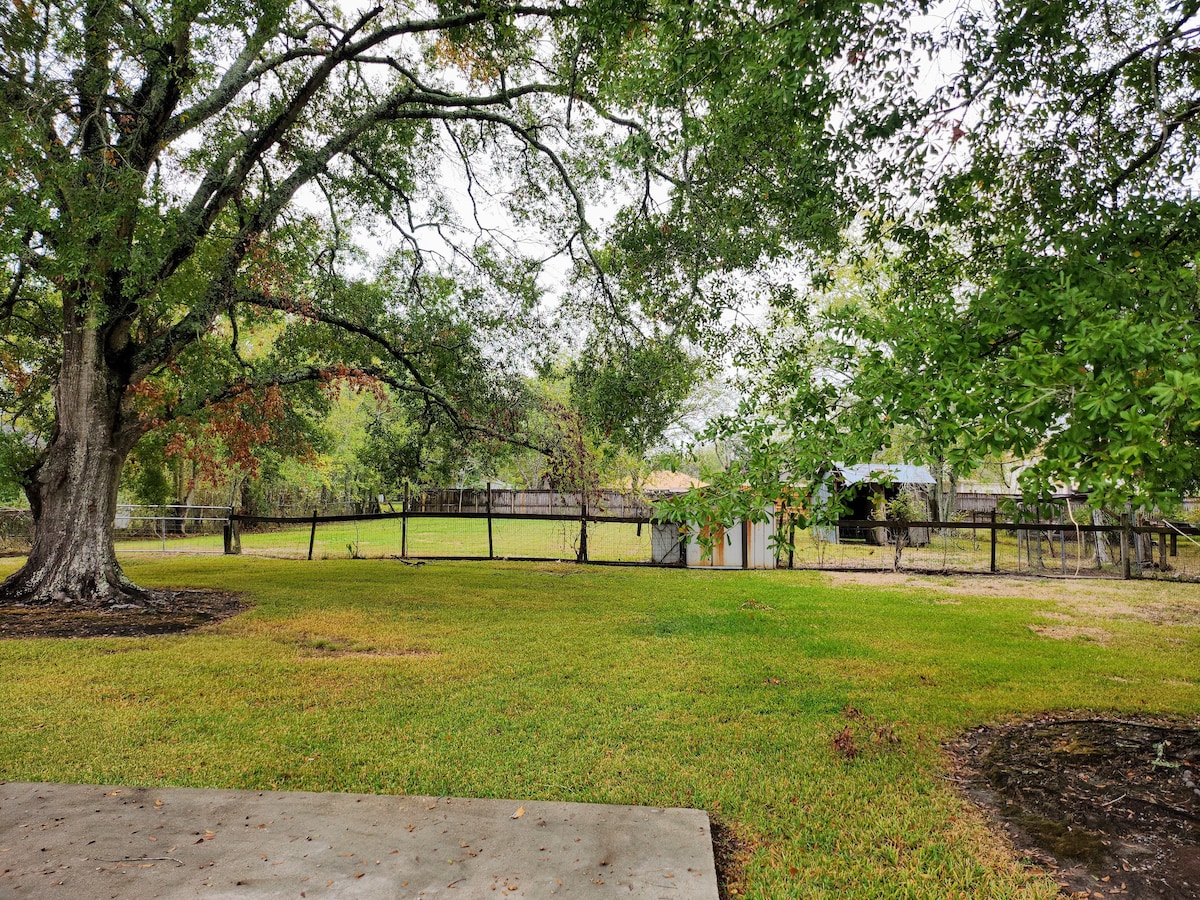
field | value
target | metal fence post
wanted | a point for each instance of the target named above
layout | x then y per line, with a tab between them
491	547
1126	535
1062	543
745	543
404	524
582	556
993	569
312	535
791	543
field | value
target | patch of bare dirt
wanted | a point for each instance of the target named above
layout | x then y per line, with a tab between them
1109	807
1157	602
175	611
372	653
730	855
1072	632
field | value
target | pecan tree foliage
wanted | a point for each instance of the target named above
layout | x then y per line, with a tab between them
1045	302
182	180
1024	279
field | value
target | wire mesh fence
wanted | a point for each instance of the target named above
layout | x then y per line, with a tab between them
434	535
465	524
1161	550
170	528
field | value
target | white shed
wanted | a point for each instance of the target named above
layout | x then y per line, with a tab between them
743	545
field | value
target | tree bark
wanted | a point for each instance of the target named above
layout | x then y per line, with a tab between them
72	489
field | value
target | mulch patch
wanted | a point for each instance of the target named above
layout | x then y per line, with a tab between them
1109	807
172	612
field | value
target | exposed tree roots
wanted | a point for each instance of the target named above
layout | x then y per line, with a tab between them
145	613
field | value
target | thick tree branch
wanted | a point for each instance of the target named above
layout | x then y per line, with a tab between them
310	374
1156	147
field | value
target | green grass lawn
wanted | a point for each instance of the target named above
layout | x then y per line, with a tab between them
717	690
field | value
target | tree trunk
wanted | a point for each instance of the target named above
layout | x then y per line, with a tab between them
72	489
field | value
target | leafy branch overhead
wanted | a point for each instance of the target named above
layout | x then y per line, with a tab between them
1021	281
189	186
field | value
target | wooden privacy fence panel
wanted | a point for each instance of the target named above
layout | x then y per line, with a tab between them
608	503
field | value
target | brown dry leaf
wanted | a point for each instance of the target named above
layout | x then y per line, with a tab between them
843	743
520	812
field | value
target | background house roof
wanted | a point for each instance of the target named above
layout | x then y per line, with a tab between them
902	473
666	482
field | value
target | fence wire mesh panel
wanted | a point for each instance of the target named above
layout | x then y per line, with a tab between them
1161	550
553	539
284	541
1054	541
16	530
619	542
432	537
170	529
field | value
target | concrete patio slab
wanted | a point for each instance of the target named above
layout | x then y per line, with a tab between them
85	841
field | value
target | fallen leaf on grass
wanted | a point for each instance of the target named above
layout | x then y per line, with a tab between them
843	743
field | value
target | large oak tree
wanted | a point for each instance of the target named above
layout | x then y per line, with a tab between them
178	173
